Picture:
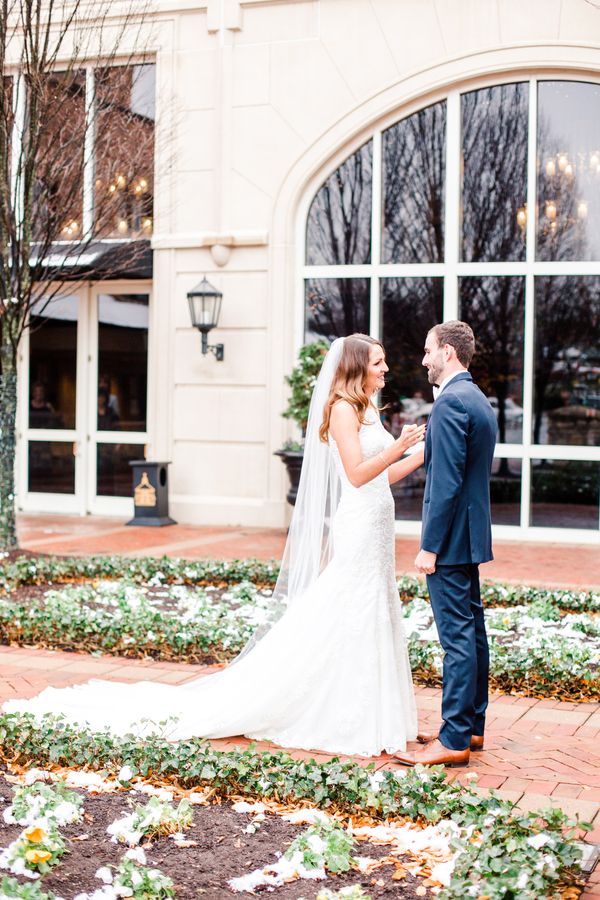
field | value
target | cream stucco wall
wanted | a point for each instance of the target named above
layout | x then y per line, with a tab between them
257	102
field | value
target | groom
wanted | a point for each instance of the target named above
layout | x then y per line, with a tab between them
456	537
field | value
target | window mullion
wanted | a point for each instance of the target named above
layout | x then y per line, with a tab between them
376	227
19	100
529	325
88	154
452	205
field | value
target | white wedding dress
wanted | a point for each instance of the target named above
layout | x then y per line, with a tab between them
332	674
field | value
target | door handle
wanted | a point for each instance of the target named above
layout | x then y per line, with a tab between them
75	448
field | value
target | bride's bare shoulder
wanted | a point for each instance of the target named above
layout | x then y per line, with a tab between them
344	415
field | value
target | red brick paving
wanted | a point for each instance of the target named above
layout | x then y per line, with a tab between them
521	761
559	565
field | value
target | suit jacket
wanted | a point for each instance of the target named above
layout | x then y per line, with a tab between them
459	447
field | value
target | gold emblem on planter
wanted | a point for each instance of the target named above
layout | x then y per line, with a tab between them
144	494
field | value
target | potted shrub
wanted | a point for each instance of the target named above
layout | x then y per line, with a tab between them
301	380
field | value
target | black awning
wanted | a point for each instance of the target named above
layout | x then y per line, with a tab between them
102	260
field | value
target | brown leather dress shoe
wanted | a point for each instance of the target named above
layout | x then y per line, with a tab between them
434	754
425	737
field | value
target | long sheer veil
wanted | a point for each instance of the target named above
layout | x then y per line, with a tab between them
309	545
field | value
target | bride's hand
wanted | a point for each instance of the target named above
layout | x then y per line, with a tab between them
409	436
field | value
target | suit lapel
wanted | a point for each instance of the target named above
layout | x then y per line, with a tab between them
463	376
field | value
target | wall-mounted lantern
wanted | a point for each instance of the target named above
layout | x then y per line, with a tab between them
205	308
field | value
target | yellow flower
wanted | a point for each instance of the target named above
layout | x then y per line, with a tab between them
37	856
35	834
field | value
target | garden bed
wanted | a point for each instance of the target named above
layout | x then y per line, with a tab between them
214	849
436	836
543	643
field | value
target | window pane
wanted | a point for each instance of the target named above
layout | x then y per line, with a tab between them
409	308
338	231
336	307
53	364
568	170
567	361
58	192
565	494
51	467
122	361
414	159
124	151
494	181
495	310
113	472
505	491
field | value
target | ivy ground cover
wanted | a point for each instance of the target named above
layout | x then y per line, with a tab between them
364	833
543	643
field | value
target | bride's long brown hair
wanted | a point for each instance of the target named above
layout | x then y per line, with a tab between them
349	380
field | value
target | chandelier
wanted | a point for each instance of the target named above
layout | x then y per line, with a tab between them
560	209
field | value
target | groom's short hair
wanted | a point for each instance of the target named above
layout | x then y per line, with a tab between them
460	336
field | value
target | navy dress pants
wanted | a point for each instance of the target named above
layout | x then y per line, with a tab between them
458	612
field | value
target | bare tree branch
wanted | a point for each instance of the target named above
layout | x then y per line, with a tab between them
50	227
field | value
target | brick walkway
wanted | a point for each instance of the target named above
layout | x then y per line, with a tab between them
558	565
538	752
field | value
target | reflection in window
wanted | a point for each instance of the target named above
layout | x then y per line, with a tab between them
58	191
338	230
409	308
565	493
494	182
113	472
336	307
51	467
505	491
567	361
413	188
122	362
495	310
53	364
568	171
124	151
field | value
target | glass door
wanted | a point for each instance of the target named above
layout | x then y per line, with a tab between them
50	477
83	400
118	397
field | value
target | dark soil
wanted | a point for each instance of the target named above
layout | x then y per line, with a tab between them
222	852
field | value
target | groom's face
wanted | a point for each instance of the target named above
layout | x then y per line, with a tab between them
434	359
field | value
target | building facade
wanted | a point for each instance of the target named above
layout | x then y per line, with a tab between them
335	166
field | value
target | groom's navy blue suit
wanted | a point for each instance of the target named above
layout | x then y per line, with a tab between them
459	447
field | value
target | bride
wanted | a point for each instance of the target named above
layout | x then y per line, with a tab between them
332	673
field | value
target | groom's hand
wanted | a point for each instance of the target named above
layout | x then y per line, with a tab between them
425	562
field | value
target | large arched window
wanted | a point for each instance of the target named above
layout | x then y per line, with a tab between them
484	206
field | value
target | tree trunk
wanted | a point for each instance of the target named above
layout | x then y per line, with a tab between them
8	413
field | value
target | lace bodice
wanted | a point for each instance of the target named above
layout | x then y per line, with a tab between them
373	438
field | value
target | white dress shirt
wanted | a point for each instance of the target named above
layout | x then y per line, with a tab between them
438	390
